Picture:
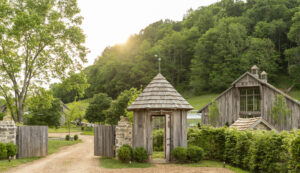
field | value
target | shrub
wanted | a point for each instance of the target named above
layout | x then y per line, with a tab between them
294	163
67	137
124	154
158	139
3	151
129	147
75	137
140	155
11	150
194	153
180	154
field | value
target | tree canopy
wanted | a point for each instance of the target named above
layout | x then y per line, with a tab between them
39	40
207	50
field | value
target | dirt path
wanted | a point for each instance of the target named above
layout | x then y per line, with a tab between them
80	158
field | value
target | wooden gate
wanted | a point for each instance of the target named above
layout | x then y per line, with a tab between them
104	141
32	141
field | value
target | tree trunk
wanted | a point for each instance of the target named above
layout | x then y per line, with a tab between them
289	89
20	111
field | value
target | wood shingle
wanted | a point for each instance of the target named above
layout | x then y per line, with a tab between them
160	94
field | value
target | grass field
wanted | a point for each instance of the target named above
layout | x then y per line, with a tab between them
158	155
91	133
208	163
295	94
112	163
53	146
199	101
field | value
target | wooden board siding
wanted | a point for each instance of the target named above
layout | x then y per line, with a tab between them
139	129
178	130
269	96
32	141
104	140
247	81
228	108
229	104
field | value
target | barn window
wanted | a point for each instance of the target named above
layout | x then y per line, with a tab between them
250	100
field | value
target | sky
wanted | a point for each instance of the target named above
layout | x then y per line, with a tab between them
108	22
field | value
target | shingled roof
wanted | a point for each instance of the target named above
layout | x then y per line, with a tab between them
160	94
248	123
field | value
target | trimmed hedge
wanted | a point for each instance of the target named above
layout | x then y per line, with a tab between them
257	151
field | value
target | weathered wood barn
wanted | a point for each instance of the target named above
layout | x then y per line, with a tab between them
159	98
252	96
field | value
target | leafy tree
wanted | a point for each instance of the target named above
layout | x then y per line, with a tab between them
119	106
97	107
76	111
72	88
213	113
39	40
280	111
43	109
217	61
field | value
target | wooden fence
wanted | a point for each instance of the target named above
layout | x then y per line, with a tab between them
104	141
32	141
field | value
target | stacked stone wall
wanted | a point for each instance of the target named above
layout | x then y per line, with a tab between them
8	132
123	133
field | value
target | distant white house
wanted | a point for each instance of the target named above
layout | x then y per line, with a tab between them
193	118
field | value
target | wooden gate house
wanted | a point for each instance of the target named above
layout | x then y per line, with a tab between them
159	98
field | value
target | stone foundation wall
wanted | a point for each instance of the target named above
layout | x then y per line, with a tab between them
123	133
8	132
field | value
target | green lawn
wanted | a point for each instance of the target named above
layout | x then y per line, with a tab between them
295	94
158	155
91	133
199	101
112	163
53	146
64	130
208	163
5	164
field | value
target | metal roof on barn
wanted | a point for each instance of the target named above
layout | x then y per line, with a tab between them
160	94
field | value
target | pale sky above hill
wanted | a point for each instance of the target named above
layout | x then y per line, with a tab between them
107	22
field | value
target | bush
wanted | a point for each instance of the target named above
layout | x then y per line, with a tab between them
140	155
294	162
180	154
3	151
75	137
11	150
257	151
194	153
158	140
124	153
67	137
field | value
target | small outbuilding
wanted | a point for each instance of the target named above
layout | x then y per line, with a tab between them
160	98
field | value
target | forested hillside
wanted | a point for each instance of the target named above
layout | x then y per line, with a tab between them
207	50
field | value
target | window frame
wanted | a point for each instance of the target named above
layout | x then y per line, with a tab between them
253	94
